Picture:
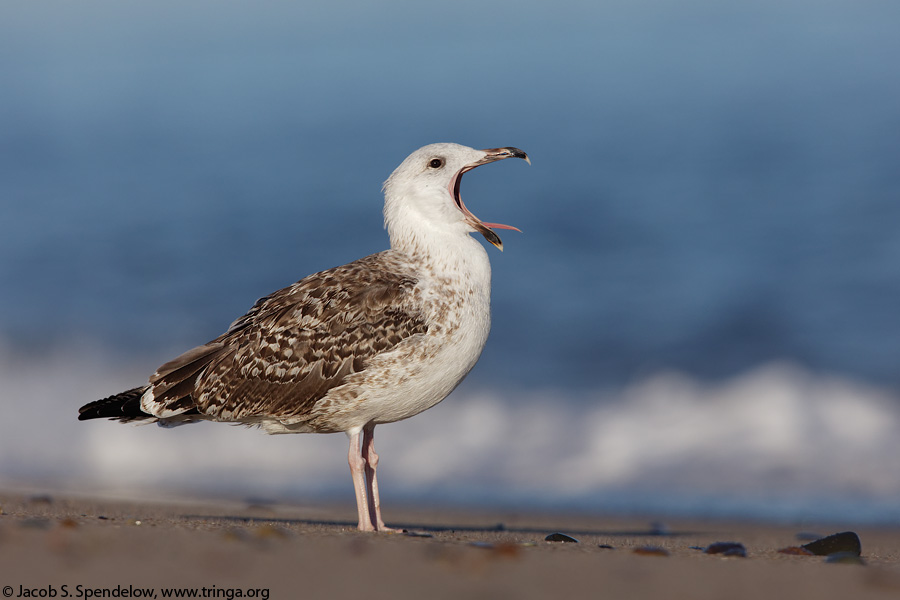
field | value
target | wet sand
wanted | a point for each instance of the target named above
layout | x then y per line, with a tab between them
75	547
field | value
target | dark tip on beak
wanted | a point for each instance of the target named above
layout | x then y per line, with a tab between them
490	236
508	152
516	153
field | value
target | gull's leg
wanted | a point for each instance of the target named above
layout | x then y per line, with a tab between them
359	470
371	460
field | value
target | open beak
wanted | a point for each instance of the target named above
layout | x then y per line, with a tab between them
485	229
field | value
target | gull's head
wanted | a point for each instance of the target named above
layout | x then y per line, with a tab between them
423	192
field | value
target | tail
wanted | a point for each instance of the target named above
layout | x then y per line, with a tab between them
170	398
123	407
126	407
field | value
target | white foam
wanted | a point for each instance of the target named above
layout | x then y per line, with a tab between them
776	434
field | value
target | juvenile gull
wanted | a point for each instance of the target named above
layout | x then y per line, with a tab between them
374	341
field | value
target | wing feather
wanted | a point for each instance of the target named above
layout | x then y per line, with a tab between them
296	344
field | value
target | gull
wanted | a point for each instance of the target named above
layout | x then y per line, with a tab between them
375	341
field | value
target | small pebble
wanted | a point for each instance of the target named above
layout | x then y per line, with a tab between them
651	551
605	546
68	523
416	534
659	528
560	537
846	541
727	549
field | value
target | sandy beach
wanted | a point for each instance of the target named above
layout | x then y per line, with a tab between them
57	546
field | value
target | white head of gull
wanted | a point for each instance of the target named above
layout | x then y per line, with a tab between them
374	341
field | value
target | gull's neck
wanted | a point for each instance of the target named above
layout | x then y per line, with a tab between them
443	250
446	252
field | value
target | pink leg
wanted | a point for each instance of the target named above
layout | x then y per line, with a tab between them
371	460
358	470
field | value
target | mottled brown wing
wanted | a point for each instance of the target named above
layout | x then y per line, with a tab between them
296	344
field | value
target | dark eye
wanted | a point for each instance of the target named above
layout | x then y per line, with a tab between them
436	163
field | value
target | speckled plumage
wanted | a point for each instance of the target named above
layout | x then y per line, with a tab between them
373	341
291	349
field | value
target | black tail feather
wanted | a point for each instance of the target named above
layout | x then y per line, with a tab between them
123	407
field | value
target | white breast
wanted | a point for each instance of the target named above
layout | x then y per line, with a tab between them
454	291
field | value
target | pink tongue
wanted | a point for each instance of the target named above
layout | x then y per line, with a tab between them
500	226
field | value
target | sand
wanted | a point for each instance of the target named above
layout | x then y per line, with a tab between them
58	547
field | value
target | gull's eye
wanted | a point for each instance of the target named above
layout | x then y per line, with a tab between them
436	163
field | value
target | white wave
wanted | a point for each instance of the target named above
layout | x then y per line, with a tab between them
776	436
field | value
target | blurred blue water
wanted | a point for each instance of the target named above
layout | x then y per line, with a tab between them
714	185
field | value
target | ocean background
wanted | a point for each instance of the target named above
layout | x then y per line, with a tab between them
701	316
